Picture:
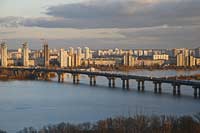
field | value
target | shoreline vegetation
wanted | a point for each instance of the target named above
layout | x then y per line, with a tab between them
8	75
150	68
134	124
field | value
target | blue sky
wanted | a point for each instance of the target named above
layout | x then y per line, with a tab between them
101	24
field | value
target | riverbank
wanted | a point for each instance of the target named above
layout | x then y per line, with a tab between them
186	77
9	75
153	68
134	124
6	75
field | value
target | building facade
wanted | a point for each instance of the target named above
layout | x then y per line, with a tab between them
25	55
128	60
4	60
46	55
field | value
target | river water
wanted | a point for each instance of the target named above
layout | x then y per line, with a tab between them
39	103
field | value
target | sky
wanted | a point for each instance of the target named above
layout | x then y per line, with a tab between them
101	24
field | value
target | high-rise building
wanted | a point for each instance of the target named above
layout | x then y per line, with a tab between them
79	51
185	52
77	60
4	55
63	58
185	60
46	55
25	54
192	61
71	51
87	53
116	51
69	61
180	60
130	52
128	60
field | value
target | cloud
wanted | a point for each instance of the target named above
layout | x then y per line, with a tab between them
99	9
11	21
115	14
127	13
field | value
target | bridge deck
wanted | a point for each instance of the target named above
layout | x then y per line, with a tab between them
106	74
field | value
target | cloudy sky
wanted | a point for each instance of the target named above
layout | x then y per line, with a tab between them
101	23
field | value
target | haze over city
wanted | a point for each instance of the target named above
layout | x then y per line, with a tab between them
101	24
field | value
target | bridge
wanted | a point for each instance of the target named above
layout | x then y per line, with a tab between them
44	73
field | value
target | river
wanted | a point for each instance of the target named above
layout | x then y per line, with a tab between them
39	103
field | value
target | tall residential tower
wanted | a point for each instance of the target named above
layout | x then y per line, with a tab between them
46	55
3	55
25	54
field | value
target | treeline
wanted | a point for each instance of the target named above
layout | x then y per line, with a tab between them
136	124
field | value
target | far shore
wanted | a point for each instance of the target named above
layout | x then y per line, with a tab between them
139	68
6	75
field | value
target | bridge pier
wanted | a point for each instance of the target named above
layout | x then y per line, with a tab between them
142	85
113	82
160	87
77	78
59	77
179	90
138	85
176	89
62	77
92	80
109	82
123	84
74	78
127	84
155	87
196	92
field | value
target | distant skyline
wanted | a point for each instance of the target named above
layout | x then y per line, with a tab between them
101	24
